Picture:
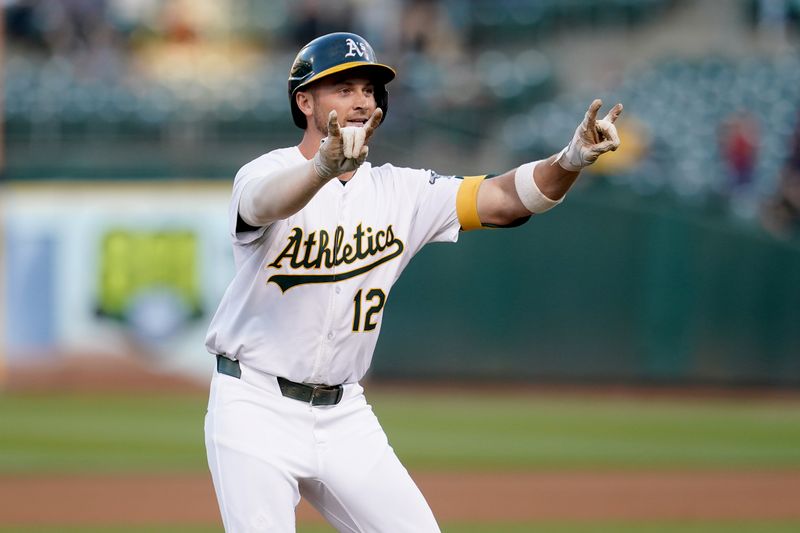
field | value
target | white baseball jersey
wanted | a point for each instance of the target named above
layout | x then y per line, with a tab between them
307	299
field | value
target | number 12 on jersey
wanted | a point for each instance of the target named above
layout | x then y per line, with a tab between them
375	297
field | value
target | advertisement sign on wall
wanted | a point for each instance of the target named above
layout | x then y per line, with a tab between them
118	268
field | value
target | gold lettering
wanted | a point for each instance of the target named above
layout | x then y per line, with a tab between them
306	251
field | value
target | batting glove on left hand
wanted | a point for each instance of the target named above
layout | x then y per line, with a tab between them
592	139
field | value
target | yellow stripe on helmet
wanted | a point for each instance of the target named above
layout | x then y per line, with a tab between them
346	66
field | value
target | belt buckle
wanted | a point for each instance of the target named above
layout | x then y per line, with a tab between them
314	390
318	389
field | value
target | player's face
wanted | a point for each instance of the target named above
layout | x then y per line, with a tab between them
352	98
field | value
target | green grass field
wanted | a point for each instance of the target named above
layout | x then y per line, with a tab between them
42	434
67	433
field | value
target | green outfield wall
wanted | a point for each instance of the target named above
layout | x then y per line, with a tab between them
612	286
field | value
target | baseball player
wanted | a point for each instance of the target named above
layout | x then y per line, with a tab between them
319	238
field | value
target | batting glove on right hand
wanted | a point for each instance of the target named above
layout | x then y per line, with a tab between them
592	139
344	149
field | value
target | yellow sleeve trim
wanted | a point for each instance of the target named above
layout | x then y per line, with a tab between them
467	203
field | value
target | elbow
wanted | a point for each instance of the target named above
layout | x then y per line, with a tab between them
506	219
254	213
515	220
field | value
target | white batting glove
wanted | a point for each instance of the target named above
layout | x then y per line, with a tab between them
344	149
592	139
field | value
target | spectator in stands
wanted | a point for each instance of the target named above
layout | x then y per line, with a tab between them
377	20
312	18
739	149
426	30
20	22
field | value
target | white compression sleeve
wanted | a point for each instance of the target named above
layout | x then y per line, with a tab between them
279	194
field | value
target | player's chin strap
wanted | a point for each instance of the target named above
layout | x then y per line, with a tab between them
467	206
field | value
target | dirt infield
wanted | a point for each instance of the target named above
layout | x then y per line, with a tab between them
485	497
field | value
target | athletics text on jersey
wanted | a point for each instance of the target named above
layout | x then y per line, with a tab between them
330	252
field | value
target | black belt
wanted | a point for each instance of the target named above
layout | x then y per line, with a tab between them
304	392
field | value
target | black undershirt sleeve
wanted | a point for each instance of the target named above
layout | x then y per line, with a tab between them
242	226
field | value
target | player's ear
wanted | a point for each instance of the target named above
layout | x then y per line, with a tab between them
305	102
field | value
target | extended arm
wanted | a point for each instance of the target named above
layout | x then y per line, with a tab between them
283	193
279	194
508	197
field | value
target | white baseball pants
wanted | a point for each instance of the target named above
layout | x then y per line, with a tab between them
265	451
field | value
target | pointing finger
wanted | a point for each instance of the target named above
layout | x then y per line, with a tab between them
614	114
333	124
591	113
373	122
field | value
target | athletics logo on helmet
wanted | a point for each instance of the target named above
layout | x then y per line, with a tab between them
332	53
356	48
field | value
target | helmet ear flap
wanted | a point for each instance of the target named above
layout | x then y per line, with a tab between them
298	116
382	100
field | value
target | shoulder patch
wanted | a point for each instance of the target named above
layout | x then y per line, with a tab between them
435	176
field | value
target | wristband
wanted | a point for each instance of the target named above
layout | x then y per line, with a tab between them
529	193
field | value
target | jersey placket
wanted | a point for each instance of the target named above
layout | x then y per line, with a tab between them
322	370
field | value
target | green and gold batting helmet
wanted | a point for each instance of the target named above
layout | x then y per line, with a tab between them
332	53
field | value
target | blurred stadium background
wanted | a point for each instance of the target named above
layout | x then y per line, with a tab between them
675	263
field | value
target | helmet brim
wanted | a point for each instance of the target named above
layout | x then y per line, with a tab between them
377	72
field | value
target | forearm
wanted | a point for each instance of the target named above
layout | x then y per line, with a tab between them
553	180
279	194
499	201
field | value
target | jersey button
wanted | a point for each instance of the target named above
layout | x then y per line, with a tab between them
330	335
338	290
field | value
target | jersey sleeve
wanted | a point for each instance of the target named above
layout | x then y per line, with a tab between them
436	219
246	174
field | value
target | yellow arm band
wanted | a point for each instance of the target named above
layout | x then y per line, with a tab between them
467	203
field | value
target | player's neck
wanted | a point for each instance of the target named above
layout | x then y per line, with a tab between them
310	143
